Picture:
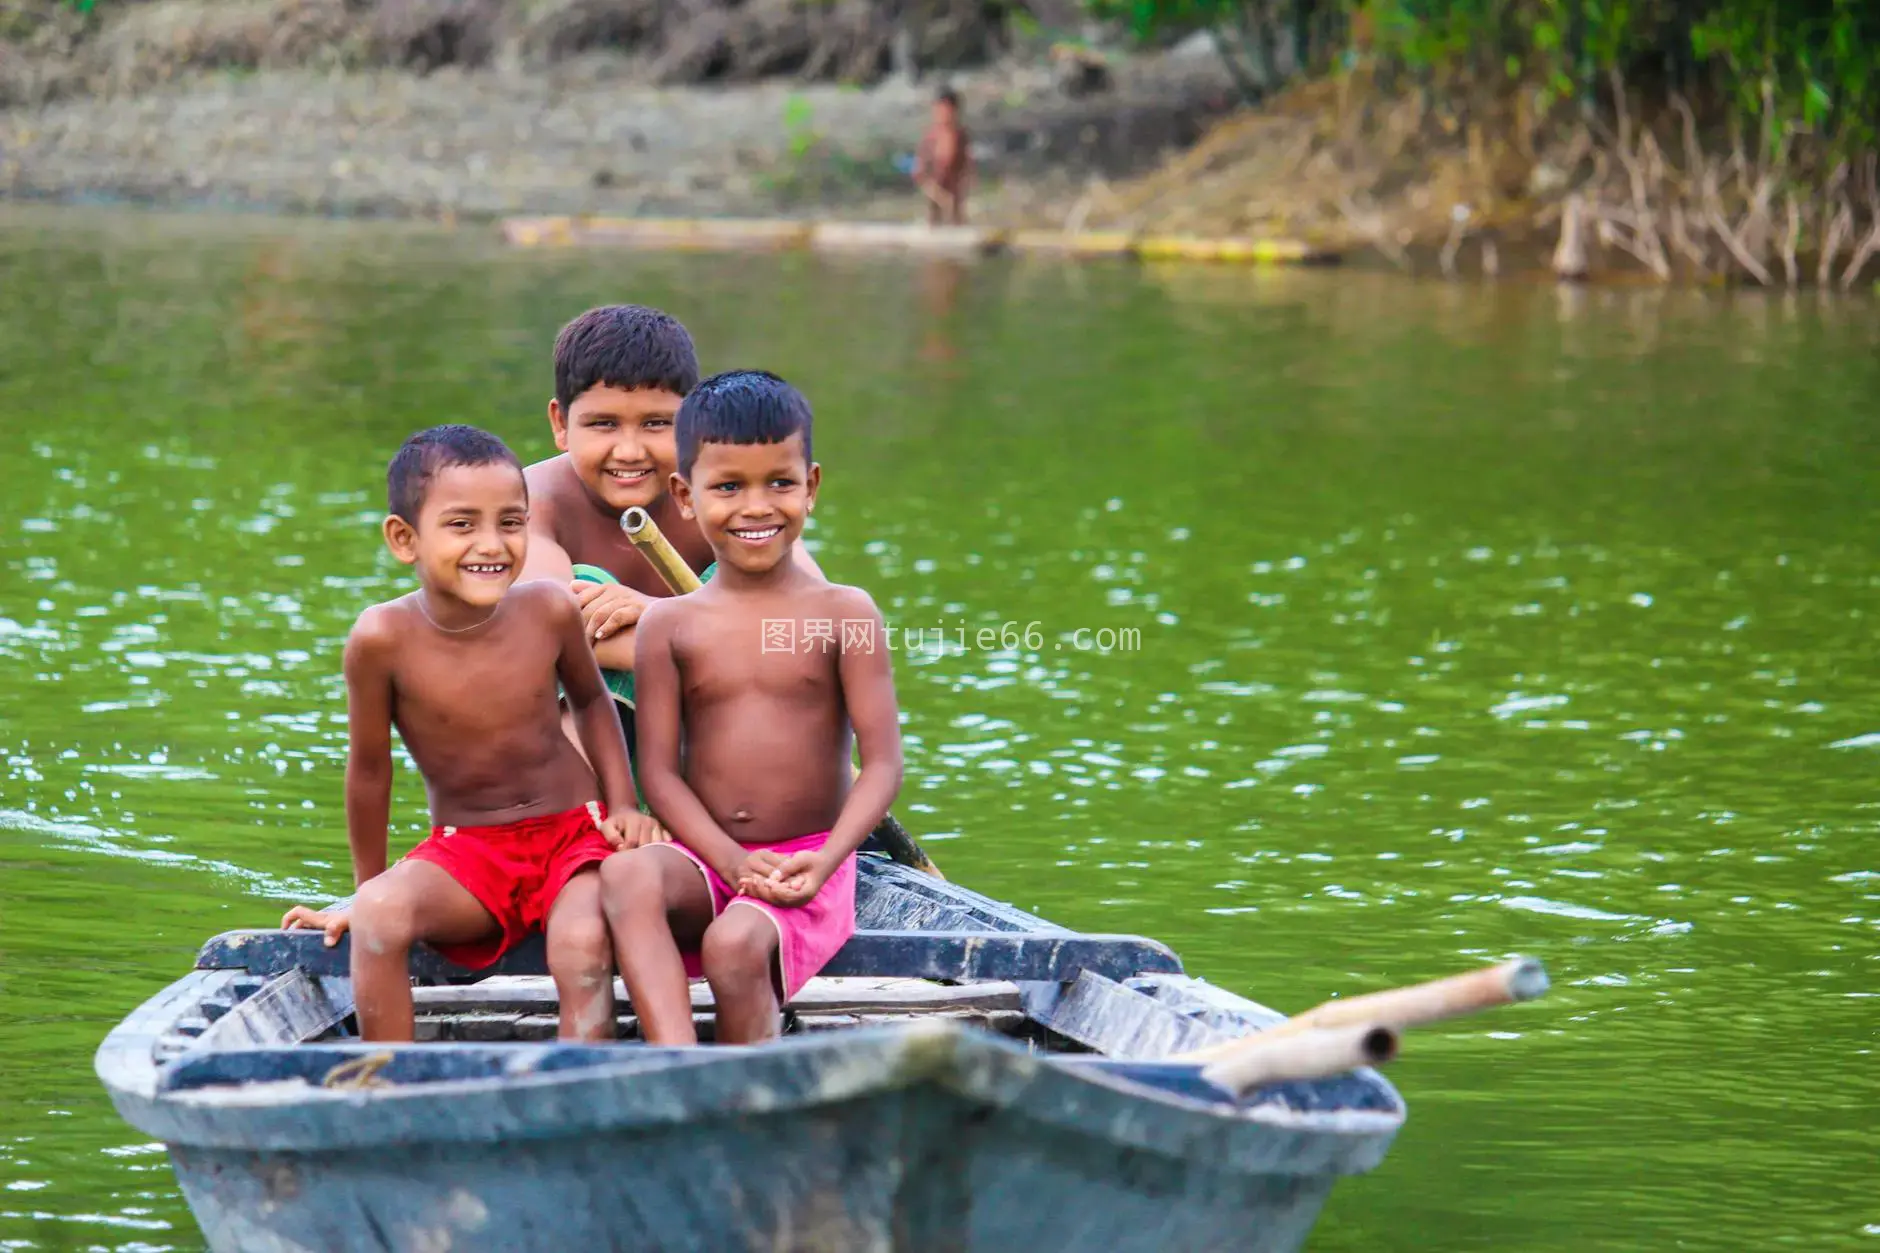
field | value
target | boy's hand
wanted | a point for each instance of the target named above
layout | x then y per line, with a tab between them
607	608
633	829
754	872
796	879
334	922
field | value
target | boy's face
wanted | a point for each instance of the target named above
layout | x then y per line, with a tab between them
471	533
620	441
944	114
750	500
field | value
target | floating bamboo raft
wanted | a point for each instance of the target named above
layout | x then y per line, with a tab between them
765	235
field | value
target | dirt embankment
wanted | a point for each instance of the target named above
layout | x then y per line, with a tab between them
540	106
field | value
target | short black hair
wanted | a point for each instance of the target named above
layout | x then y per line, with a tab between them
626	346
741	407
408	478
948	96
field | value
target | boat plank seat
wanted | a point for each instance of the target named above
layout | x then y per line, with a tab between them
535	994
1006	956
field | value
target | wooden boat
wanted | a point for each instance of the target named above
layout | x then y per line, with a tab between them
964	1076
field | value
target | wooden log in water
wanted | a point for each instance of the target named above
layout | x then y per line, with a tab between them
694	234
1234	249
1075	243
538	232
1521	979
904	237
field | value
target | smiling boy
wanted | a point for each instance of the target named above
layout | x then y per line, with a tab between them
745	742
621	372
466	668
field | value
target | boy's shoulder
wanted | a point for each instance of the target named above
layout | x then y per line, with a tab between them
853	600
550	481
377	630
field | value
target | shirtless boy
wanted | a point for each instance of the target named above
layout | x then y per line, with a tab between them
620	373
943	162
466	669
752	691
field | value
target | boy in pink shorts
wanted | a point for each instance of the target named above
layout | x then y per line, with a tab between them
753	691
466	668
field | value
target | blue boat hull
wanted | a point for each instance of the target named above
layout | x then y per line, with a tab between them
918	1134
918	1138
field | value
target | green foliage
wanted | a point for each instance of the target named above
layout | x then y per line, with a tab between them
1788	66
799	125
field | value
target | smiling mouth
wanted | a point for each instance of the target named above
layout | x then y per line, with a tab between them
484	568
628	476
757	534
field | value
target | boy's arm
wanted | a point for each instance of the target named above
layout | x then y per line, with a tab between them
369	744
546	558
658	726
610	609
593	708
867	677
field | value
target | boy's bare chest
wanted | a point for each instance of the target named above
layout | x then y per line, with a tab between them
492	681
739	665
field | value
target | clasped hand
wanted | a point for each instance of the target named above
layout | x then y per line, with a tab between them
781	880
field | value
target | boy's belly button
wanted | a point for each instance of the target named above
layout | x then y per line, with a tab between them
741	815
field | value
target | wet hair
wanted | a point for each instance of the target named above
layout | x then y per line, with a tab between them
740	407
625	346
948	96
424	455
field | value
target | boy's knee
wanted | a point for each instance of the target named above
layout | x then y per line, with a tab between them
739	948
384	919
579	947
632	881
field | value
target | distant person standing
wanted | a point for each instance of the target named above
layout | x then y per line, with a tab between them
943	164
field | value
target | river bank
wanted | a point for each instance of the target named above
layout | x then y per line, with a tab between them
592	139
1157	147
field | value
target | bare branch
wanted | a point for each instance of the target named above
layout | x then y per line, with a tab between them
1868	247
1736	248
1839	228
1789	268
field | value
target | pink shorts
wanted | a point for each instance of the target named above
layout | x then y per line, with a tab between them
516	871
808	935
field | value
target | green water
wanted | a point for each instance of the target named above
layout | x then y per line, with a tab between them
1472	621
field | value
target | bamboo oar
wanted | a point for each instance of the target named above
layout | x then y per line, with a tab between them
1316	1054
1521	979
645	535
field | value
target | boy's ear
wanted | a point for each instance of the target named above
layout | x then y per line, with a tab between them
401	539
811	483
681	493
558	423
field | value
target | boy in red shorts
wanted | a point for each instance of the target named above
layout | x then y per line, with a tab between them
466	669
752	692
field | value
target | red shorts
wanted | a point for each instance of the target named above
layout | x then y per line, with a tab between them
516	871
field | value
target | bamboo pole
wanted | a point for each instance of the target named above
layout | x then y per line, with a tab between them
1316	1054
645	535
1521	979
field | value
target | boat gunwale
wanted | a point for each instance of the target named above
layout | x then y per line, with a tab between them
286	1115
